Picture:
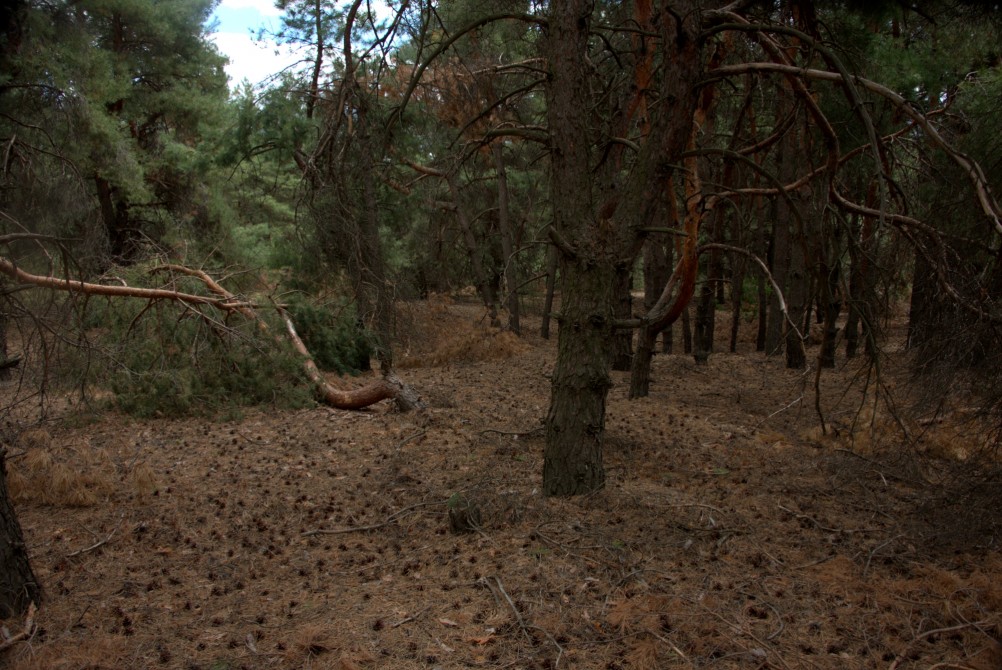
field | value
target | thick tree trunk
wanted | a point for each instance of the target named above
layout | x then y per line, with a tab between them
575	425
595	238
18	585
122	239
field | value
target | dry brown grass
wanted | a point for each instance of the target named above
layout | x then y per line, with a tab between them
102	652
60	477
439	333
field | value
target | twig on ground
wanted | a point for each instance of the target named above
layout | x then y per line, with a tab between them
386	522
412	617
782	626
510	432
877	464
26	632
817	524
420	433
866	568
495	586
740	631
935	631
667	642
518	615
100	543
779	411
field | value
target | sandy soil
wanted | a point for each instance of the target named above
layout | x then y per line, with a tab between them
731	533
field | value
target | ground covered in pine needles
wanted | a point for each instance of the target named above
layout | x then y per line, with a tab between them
732	532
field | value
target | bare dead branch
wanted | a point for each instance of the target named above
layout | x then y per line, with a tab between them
8	268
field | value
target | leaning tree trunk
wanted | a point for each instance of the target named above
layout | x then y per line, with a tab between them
18	585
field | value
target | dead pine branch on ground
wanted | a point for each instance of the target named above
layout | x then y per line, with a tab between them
389	387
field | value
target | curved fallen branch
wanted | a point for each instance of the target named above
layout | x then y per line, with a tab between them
388	387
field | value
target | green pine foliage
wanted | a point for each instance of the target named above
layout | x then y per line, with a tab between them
334	337
167	362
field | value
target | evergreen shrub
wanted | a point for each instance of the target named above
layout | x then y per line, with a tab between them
167	362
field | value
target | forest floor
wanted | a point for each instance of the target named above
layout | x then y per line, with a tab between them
731	533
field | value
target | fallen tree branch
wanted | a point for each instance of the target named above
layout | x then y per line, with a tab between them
388	387
100	543
8	268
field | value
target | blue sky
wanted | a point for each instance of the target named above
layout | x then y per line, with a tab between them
237	21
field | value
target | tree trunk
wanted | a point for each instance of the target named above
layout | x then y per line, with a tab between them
507	241
657	271
706	308
18	584
738	271
831	278
122	239
575	425
596	239
764	251
702	336
551	282
5	362
373	271
686	332
622	340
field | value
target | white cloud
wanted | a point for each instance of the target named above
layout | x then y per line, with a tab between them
250	59
264	7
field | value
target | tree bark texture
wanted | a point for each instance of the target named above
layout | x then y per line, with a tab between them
18	585
507	241
597	240
622	341
575	424
552	258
